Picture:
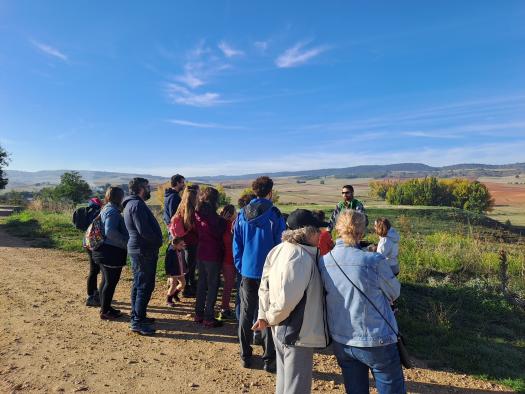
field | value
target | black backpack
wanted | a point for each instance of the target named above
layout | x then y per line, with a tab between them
83	216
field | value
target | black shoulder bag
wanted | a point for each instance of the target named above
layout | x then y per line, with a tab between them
401	347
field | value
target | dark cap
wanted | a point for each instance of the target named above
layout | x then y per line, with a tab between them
303	218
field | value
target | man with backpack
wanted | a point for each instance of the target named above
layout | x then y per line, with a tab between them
258	229
82	218
145	239
172	197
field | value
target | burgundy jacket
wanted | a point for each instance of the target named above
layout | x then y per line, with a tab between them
210	228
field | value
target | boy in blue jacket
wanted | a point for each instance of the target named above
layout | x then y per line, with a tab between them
258	229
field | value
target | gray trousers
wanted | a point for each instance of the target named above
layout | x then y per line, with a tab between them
294	368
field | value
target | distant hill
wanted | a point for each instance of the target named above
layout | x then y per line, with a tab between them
24	180
401	170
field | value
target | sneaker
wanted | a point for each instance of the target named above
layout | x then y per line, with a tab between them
246	362
269	366
212	323
198	319
108	316
143	330
226	314
92	301
149	320
115	312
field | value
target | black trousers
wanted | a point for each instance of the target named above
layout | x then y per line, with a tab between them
249	302
94	270
192	265
111	277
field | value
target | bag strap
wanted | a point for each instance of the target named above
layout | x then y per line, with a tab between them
364	295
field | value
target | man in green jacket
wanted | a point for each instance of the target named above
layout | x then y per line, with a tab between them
349	202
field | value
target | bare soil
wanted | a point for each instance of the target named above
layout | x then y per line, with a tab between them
51	342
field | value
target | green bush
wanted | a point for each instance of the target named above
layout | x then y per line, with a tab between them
460	193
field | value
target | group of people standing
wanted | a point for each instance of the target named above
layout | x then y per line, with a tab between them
295	286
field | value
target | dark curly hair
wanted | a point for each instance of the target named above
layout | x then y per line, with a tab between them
262	186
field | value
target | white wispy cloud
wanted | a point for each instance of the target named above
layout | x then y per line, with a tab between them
189	79
261	45
298	54
189	123
49	50
228	50
181	95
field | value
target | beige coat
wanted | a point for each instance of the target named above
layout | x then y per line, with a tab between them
291	296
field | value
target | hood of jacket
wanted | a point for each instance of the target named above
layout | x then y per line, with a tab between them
169	191
258	211
129	198
393	235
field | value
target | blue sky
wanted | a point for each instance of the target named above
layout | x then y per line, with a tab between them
232	87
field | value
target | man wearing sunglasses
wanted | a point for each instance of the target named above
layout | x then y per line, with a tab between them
349	202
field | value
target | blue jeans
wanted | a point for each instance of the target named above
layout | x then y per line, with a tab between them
144	267
383	361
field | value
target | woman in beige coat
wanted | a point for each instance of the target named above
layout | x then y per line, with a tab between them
291	302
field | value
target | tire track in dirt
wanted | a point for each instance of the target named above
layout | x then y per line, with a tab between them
51	342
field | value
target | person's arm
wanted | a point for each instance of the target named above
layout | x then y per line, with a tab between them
333	218
141	219
238	246
388	283
112	229
294	280
278	228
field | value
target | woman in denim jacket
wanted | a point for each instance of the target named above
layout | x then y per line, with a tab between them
112	255
362	340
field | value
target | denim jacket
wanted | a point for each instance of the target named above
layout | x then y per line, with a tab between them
352	320
115	231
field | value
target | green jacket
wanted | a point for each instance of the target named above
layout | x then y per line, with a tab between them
354	204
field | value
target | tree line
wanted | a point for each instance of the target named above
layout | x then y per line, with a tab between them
459	193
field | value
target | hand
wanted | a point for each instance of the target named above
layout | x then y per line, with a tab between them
260	325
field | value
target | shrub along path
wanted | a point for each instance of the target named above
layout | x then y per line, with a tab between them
51	342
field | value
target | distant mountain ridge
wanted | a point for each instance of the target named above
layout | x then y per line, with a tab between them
39	179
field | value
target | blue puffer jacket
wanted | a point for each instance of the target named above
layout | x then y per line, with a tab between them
257	230
144	231
115	232
352	320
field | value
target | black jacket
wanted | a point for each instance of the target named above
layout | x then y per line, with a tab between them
144	230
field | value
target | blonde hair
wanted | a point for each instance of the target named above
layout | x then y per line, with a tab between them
187	206
351	226
300	236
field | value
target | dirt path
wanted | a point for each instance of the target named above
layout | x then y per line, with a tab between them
50	342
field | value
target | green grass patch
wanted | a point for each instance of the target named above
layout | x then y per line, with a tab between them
466	328
44	229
